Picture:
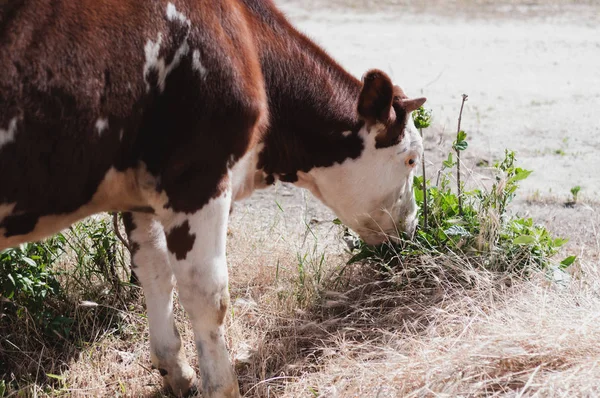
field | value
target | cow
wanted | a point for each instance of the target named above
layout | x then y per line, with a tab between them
169	111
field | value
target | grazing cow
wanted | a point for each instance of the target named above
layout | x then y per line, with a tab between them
169	111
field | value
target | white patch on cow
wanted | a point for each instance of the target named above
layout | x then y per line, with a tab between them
197	64
173	14
346	133
245	178
154	272
8	135
152	50
202	281
373	192
101	125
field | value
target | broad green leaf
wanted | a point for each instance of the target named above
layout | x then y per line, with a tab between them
524	240
461	136
418	195
461	145
559	242
337	221
520	174
568	261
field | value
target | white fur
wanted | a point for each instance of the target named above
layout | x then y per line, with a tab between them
173	14
202	280
197	64
244	174
152	50
101	125
156	277
373	192
347	133
8	135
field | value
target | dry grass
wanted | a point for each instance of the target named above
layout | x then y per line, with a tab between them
428	327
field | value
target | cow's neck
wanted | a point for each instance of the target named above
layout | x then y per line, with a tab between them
313	120
312	106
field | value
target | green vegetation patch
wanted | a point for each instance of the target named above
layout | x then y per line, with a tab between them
475	225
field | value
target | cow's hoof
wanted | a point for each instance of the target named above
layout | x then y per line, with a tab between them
192	392
233	391
183	385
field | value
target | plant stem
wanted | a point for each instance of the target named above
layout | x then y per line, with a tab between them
424	188
460	209
118	232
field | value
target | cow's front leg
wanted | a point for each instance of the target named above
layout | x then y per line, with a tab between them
196	242
150	261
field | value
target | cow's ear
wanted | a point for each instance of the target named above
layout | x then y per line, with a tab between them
375	100
411	104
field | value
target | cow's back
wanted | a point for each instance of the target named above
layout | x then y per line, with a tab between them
94	93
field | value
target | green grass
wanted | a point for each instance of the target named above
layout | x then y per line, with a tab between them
58	296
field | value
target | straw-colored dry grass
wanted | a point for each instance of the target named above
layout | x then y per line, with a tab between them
430	327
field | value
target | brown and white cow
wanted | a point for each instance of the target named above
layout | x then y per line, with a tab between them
170	111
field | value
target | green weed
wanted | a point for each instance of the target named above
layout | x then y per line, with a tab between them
28	283
475	225
575	192
57	296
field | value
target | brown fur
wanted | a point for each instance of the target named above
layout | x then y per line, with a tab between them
67	64
167	143
180	240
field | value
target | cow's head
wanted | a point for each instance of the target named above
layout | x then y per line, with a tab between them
372	194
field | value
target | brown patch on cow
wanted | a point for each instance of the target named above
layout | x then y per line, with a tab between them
223	304
142	209
376	96
18	224
184	135
180	241
394	130
312	100
113	190
130	226
266	83
379	102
